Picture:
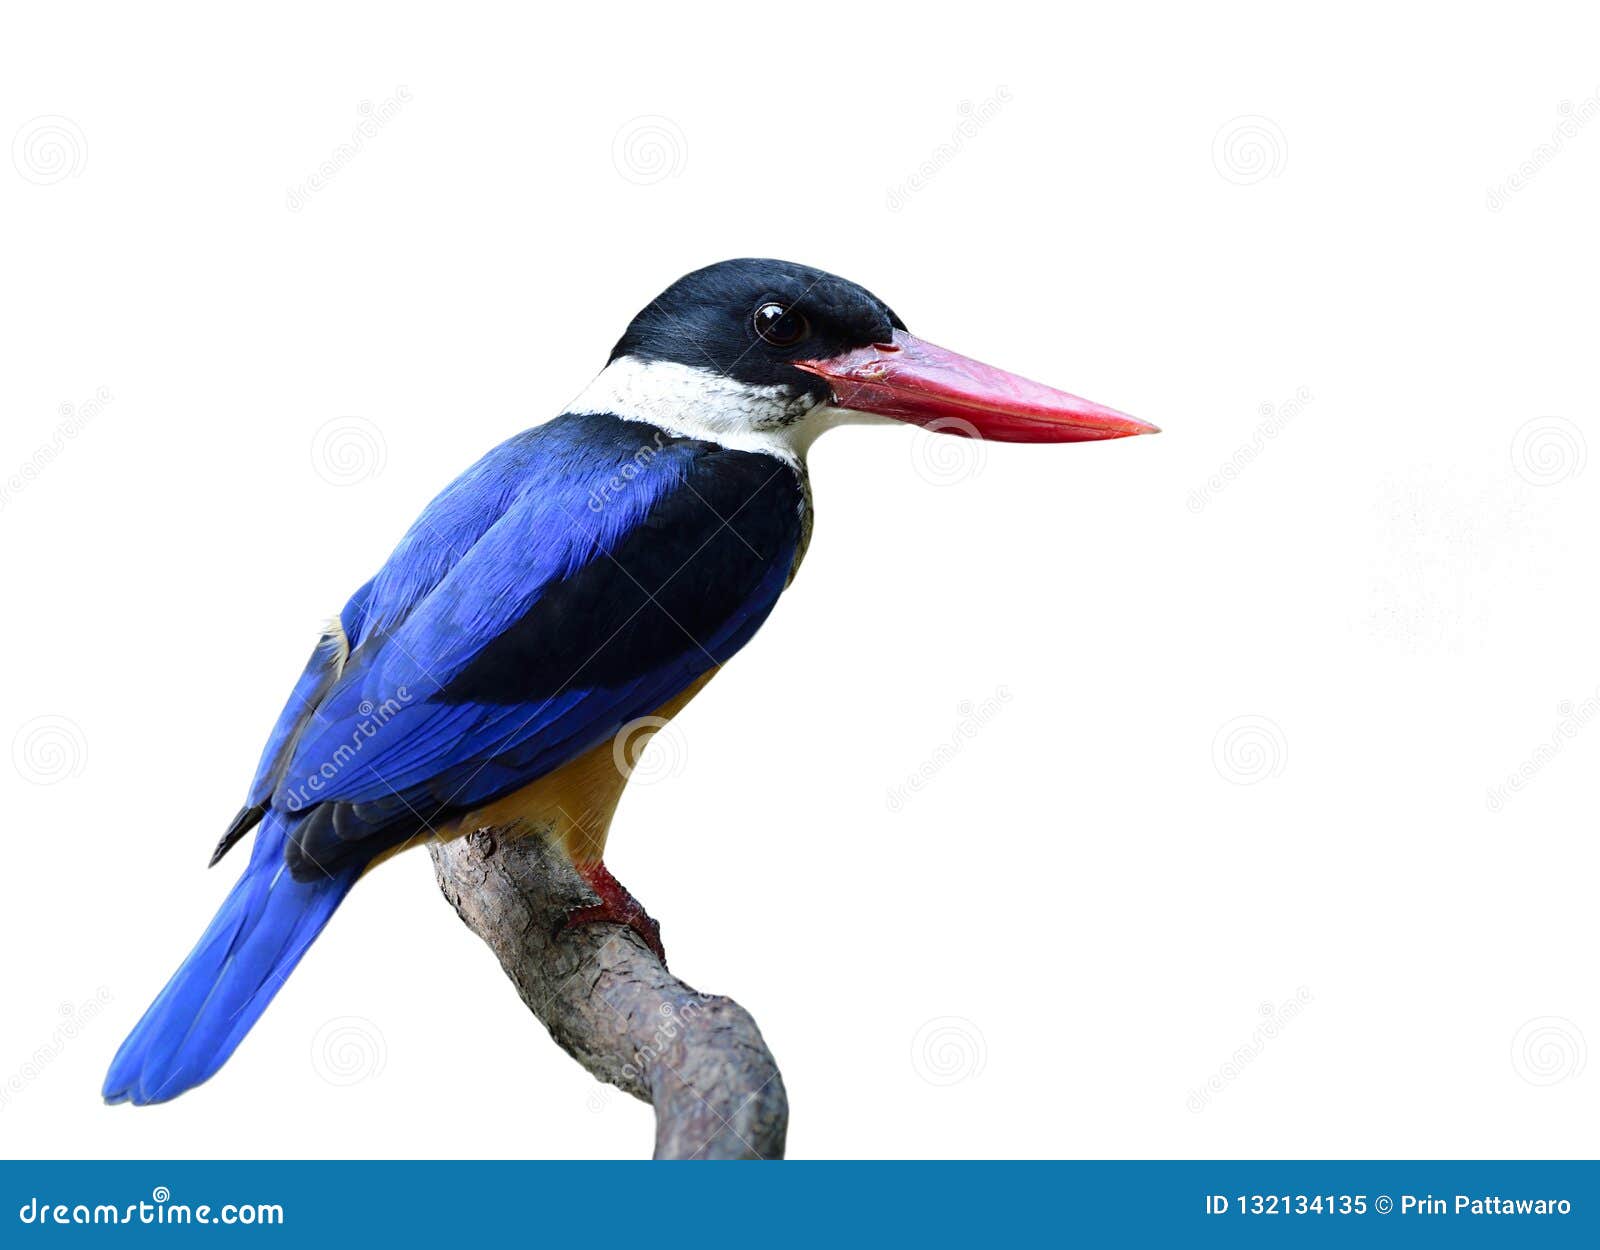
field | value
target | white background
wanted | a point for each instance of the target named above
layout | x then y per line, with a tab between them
1248	726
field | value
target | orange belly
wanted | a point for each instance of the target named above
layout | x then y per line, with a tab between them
574	804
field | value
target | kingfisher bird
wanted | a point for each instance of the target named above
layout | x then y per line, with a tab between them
587	575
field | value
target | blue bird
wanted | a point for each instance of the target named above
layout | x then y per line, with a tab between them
583	575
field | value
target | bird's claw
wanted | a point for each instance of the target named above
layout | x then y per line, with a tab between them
616	906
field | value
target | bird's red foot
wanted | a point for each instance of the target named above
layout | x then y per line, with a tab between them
616	906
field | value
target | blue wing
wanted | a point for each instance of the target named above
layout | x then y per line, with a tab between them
576	578
573	580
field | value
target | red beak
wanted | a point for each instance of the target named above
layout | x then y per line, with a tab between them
915	381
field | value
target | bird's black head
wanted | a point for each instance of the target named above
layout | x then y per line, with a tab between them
768	353
749	320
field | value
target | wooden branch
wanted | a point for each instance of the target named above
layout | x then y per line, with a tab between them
697	1058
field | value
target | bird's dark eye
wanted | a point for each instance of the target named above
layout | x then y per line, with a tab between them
780	326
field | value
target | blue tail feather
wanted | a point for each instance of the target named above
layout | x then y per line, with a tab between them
257	937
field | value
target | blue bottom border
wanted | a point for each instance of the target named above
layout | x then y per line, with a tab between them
1515	1203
